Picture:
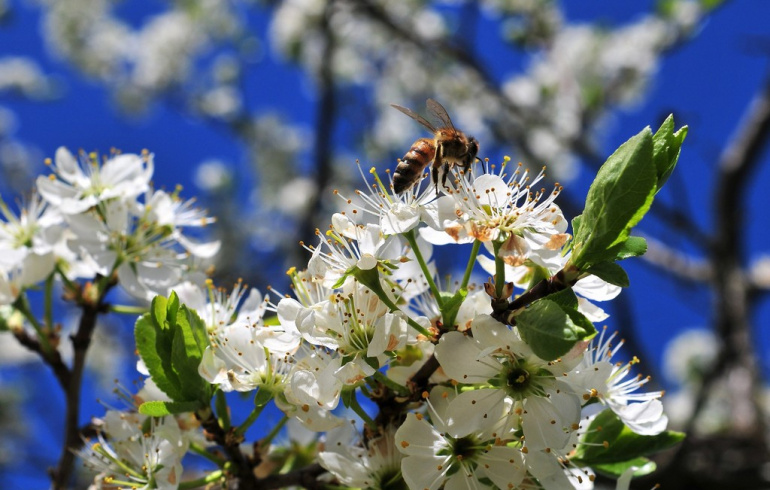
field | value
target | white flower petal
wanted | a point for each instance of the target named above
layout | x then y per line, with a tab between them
459	357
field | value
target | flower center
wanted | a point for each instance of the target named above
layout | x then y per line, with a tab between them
391	480
518	379
464	448
521	379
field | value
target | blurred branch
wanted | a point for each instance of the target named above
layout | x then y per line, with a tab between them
325	121
677	263
736	366
511	129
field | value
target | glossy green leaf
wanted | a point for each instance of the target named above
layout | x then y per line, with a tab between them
186	356
634	246
552	325
161	409
618	198
614	470
609	441
154	340
667	145
610	272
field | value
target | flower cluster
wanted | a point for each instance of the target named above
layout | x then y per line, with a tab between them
136	451
454	385
91	219
486	408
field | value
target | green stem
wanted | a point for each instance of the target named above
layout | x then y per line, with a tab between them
412	323
128	309
223	416
356	407
371	279
212	477
48	301
471	263
401	390
265	441
499	271
241	429
410	237
22	305
67	283
201	451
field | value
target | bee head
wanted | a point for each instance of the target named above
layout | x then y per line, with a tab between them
473	148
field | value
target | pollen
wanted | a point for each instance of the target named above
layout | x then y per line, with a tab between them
404	444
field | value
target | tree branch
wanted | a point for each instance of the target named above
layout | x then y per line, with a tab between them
80	343
54	360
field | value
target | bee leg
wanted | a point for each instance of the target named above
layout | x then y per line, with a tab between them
438	165
444	174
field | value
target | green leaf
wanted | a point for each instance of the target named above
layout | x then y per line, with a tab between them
172	307
262	397
348	398
161	409
552	325
158	310
186	356
577	221
615	470
171	340
153	342
622	444
618	198
198	327
635	246
667	145
610	272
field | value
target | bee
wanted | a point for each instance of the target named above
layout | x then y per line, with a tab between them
448	147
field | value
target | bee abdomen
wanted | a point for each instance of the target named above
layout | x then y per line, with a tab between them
410	167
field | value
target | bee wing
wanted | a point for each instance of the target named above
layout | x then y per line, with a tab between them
438	111
415	116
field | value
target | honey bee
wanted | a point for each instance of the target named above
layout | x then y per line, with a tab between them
448	147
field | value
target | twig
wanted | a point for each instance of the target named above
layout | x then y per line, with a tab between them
53	359
80	343
306	477
244	468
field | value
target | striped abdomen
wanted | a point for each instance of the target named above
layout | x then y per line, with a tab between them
409	169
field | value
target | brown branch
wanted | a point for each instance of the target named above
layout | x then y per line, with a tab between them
80	342
306	477
53	359
244	467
